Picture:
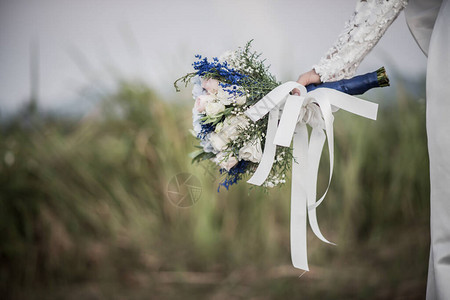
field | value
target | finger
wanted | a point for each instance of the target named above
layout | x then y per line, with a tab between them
296	92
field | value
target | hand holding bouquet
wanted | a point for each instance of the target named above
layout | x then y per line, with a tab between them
224	89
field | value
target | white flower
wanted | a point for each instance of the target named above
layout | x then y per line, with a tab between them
218	141
197	127
251	152
214	108
240	100
268	184
206	144
226	161
232	125
227	131
229	163
224	97
196	117
228	56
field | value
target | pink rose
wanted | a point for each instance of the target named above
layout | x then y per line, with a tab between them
224	160
211	85
229	163
201	102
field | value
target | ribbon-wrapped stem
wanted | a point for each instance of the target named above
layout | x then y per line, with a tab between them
357	85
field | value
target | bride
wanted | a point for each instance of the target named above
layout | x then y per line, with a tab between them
429	23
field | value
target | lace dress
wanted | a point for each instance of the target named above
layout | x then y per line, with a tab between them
366	26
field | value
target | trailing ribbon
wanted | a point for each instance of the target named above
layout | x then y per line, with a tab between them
315	109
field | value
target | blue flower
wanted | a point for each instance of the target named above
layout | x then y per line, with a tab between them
233	175
221	69
197	90
206	129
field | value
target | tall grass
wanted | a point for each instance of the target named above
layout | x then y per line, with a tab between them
83	205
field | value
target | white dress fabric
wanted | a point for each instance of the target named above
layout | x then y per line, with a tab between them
429	22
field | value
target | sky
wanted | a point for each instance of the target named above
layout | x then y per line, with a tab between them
87	46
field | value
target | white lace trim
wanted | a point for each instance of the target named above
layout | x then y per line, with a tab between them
361	33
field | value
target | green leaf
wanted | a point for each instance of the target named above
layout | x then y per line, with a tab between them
201	155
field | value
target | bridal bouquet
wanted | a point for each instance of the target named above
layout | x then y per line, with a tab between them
240	109
224	88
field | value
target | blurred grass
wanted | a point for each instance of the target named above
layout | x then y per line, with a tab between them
84	211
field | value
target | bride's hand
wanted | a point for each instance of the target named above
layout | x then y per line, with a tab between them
307	78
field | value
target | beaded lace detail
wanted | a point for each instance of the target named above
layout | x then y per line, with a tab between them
361	33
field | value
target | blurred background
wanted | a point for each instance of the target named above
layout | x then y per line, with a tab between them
92	132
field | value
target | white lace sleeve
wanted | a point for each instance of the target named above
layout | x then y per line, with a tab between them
365	27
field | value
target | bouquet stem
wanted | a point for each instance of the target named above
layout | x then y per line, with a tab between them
357	85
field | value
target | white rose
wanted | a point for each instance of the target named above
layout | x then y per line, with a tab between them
218	141
251	152
214	108
232	125
206	144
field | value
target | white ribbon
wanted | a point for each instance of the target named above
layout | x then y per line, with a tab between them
292	128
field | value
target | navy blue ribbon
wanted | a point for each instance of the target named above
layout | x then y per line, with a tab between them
357	85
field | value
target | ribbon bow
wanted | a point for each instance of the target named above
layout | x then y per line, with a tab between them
315	109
